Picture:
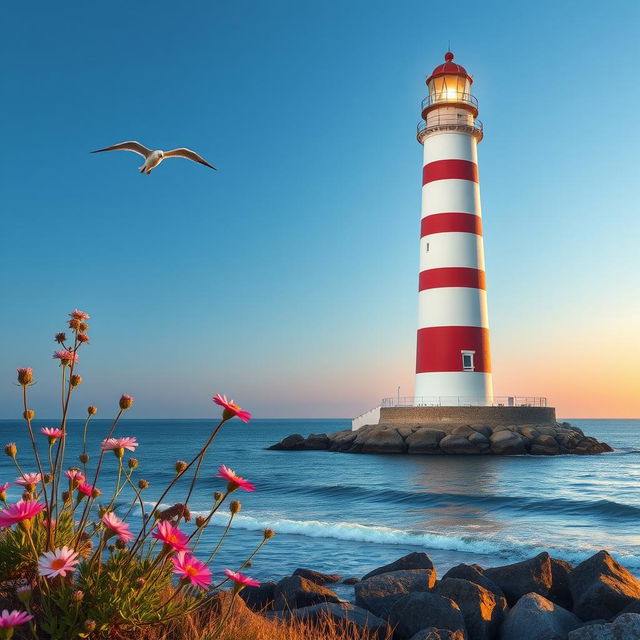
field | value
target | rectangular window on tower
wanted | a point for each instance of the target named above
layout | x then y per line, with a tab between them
467	360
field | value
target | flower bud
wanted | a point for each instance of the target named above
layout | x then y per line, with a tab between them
142	484
234	507
11	450
74	324
181	465
121	544
132	463
200	521
75	380
24	593
28	414
125	401
91	410
78	595
25	376
95	493
60	337
3	496
89	625
83	327
217	496
84	458
83	337
46	478
268	533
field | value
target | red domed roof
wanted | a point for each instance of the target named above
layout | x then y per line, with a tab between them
449	67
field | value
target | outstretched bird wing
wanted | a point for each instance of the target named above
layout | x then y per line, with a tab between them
190	155
132	145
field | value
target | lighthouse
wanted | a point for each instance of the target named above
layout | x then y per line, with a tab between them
453	364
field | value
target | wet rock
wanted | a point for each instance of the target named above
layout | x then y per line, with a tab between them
294	592
351	581
316	576
544	445
632	607
475	574
458	444
380	592
425	441
383	441
625	627
520	578
294	442
560	592
482	610
438	634
536	618
507	443
341	440
417	611
259	598
601	587
317	441
414	560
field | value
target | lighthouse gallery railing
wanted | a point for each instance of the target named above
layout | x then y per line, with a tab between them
464	401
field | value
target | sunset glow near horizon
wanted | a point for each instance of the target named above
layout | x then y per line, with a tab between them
288	279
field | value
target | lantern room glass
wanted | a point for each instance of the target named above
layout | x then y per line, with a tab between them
449	88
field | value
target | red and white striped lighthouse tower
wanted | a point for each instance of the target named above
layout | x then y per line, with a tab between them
453	365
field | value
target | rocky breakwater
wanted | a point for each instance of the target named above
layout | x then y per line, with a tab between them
549	440
542	598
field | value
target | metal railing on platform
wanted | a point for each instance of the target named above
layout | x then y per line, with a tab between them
464	401
449	97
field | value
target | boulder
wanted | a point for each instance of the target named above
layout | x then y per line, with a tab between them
343	614
341	440
474	574
507	442
417	611
632	607
458	445
259	598
351	581
379	593
480	440
425	441
316	576
294	442
529	576
294	592
601	587
414	560
482	611
560	592
544	445
624	627
219	603
317	441
438	634
536	618
383	441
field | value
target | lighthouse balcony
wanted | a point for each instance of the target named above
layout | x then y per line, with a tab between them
449	122
449	98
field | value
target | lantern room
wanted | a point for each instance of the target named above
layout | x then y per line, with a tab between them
449	85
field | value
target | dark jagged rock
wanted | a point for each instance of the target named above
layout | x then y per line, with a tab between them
520	578
417	611
625	627
473	573
414	560
601	587
351	581
482	610
259	598
316	576
294	592
379	593
536	618
452	440
560	592
438	634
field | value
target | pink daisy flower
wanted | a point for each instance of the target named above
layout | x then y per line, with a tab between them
14	618
117	526
240	579
234	481
229	409
171	536
113	444
65	356
75	475
191	569
29	480
52	433
79	315
86	488
23	510
58	562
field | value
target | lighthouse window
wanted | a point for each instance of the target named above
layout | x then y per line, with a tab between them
427	247
467	360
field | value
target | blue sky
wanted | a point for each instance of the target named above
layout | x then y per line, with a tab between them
288	278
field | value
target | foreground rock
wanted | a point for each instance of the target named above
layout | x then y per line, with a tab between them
295	592
317	577
259	598
602	588
380	592
415	560
561	438
537	618
475	574
417	611
625	627
438	634
520	578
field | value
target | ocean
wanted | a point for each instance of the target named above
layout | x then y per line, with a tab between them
349	513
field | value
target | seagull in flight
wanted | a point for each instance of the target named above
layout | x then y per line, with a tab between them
153	158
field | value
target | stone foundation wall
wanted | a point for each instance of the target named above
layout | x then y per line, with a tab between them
491	416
